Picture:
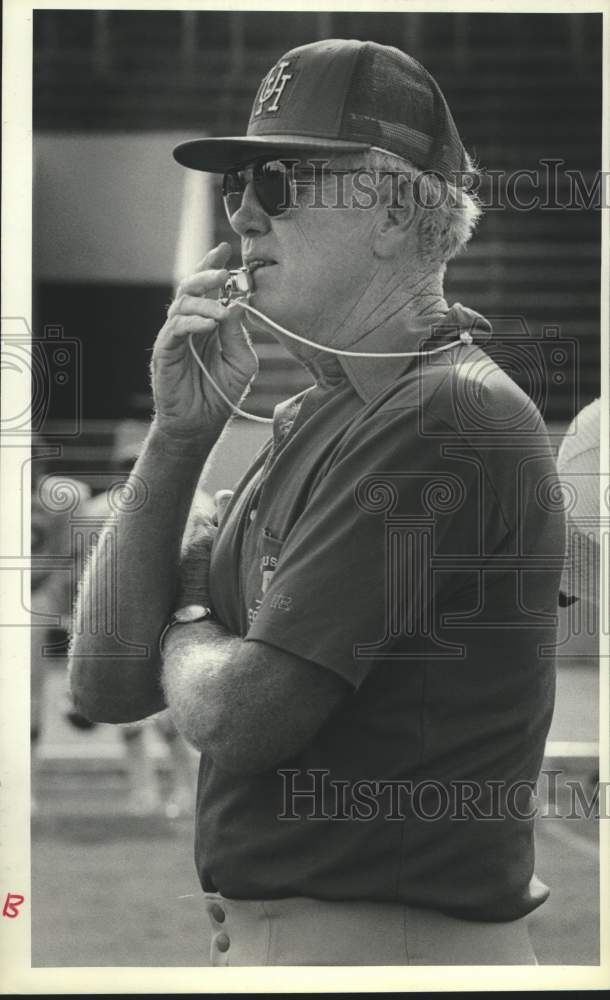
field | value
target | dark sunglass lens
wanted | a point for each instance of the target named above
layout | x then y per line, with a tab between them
232	191
272	183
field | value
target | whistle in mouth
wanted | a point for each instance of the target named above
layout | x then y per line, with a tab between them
238	284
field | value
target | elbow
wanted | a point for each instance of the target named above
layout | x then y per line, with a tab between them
221	741
234	737
239	752
98	708
101	694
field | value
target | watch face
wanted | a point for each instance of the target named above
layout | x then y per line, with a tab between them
191	613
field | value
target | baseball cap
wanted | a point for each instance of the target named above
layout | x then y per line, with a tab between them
341	95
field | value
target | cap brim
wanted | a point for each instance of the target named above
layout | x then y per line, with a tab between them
217	155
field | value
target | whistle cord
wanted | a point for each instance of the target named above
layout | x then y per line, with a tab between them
236	409
464	339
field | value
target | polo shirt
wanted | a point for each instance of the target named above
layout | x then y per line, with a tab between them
401	529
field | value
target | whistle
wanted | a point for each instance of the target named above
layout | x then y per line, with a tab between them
238	284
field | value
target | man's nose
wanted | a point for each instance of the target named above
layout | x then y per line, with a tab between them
250	217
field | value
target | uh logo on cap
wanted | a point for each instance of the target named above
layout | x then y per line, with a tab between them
272	87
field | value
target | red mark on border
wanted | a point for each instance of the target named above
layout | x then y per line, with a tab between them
11	905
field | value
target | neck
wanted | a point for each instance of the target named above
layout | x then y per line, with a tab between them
403	313
397	303
402	305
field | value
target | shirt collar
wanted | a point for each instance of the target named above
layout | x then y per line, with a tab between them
370	376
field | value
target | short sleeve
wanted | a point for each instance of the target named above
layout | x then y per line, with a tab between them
356	565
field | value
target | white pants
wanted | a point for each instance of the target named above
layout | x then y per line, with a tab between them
303	931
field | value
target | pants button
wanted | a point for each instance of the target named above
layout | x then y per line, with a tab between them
217	913
222	942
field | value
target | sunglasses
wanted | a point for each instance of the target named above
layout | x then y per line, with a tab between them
276	185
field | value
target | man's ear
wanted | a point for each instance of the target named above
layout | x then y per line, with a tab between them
398	217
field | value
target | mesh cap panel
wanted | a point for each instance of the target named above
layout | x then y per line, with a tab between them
394	103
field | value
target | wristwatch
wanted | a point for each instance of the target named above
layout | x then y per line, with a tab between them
187	615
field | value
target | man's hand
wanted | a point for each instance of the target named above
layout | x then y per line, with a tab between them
185	401
195	558
197	550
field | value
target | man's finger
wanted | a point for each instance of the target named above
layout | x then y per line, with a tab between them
235	342
217	257
196	305
180	326
201	282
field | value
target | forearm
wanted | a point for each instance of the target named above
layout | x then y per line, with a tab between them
195	658
129	586
246	704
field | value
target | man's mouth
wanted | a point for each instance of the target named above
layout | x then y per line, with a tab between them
256	263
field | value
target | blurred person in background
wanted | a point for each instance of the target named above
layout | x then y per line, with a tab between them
51	590
320	664
579	471
53	594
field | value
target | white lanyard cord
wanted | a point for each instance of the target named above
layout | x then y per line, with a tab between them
236	409
464	338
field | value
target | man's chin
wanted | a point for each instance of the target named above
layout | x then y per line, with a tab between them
271	310
300	352
254	324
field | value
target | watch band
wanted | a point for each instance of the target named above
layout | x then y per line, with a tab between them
187	615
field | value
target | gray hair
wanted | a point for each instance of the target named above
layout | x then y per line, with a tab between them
449	210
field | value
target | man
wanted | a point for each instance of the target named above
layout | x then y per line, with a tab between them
373	686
